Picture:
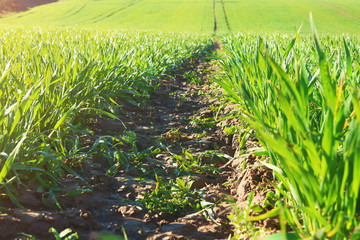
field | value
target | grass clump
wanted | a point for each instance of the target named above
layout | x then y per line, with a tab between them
171	196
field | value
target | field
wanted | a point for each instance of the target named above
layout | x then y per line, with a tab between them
206	119
258	17
183	15
304	113
254	16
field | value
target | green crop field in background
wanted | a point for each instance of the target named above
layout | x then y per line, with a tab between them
284	16
159	15
251	16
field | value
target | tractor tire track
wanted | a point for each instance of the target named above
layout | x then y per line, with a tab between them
341	11
116	11
73	12
79	10
226	18
215	20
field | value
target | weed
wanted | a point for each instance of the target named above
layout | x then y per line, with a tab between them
186	162
66	234
244	228
176	135
193	78
200	124
171	196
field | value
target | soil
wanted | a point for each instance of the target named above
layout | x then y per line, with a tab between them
112	205
9	6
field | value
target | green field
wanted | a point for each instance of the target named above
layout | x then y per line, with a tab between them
67	63
302	98
182	15
285	16
52	78
251	16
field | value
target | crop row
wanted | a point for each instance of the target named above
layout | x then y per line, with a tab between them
53	80
301	95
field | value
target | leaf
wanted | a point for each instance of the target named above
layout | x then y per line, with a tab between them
56	234
107	236
279	236
57	204
76	192
7	166
61	120
288	49
272	213
12	196
4	209
257	209
108	114
29	236
180	183
65	232
348	60
327	83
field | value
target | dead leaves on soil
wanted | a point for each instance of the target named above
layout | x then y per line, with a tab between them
175	135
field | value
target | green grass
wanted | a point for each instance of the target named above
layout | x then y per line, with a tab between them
158	15
285	16
54	79
251	16
302	99
351	7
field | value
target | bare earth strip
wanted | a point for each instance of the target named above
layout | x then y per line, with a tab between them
8	6
186	113
341	11
112	204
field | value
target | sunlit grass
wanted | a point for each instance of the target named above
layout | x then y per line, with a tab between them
53	80
302	98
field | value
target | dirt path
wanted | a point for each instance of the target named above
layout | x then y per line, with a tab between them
173	173
179	122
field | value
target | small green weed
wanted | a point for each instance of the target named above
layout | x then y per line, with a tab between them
199	124
172	196
193	78
187	162
66	234
244	228
111	149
